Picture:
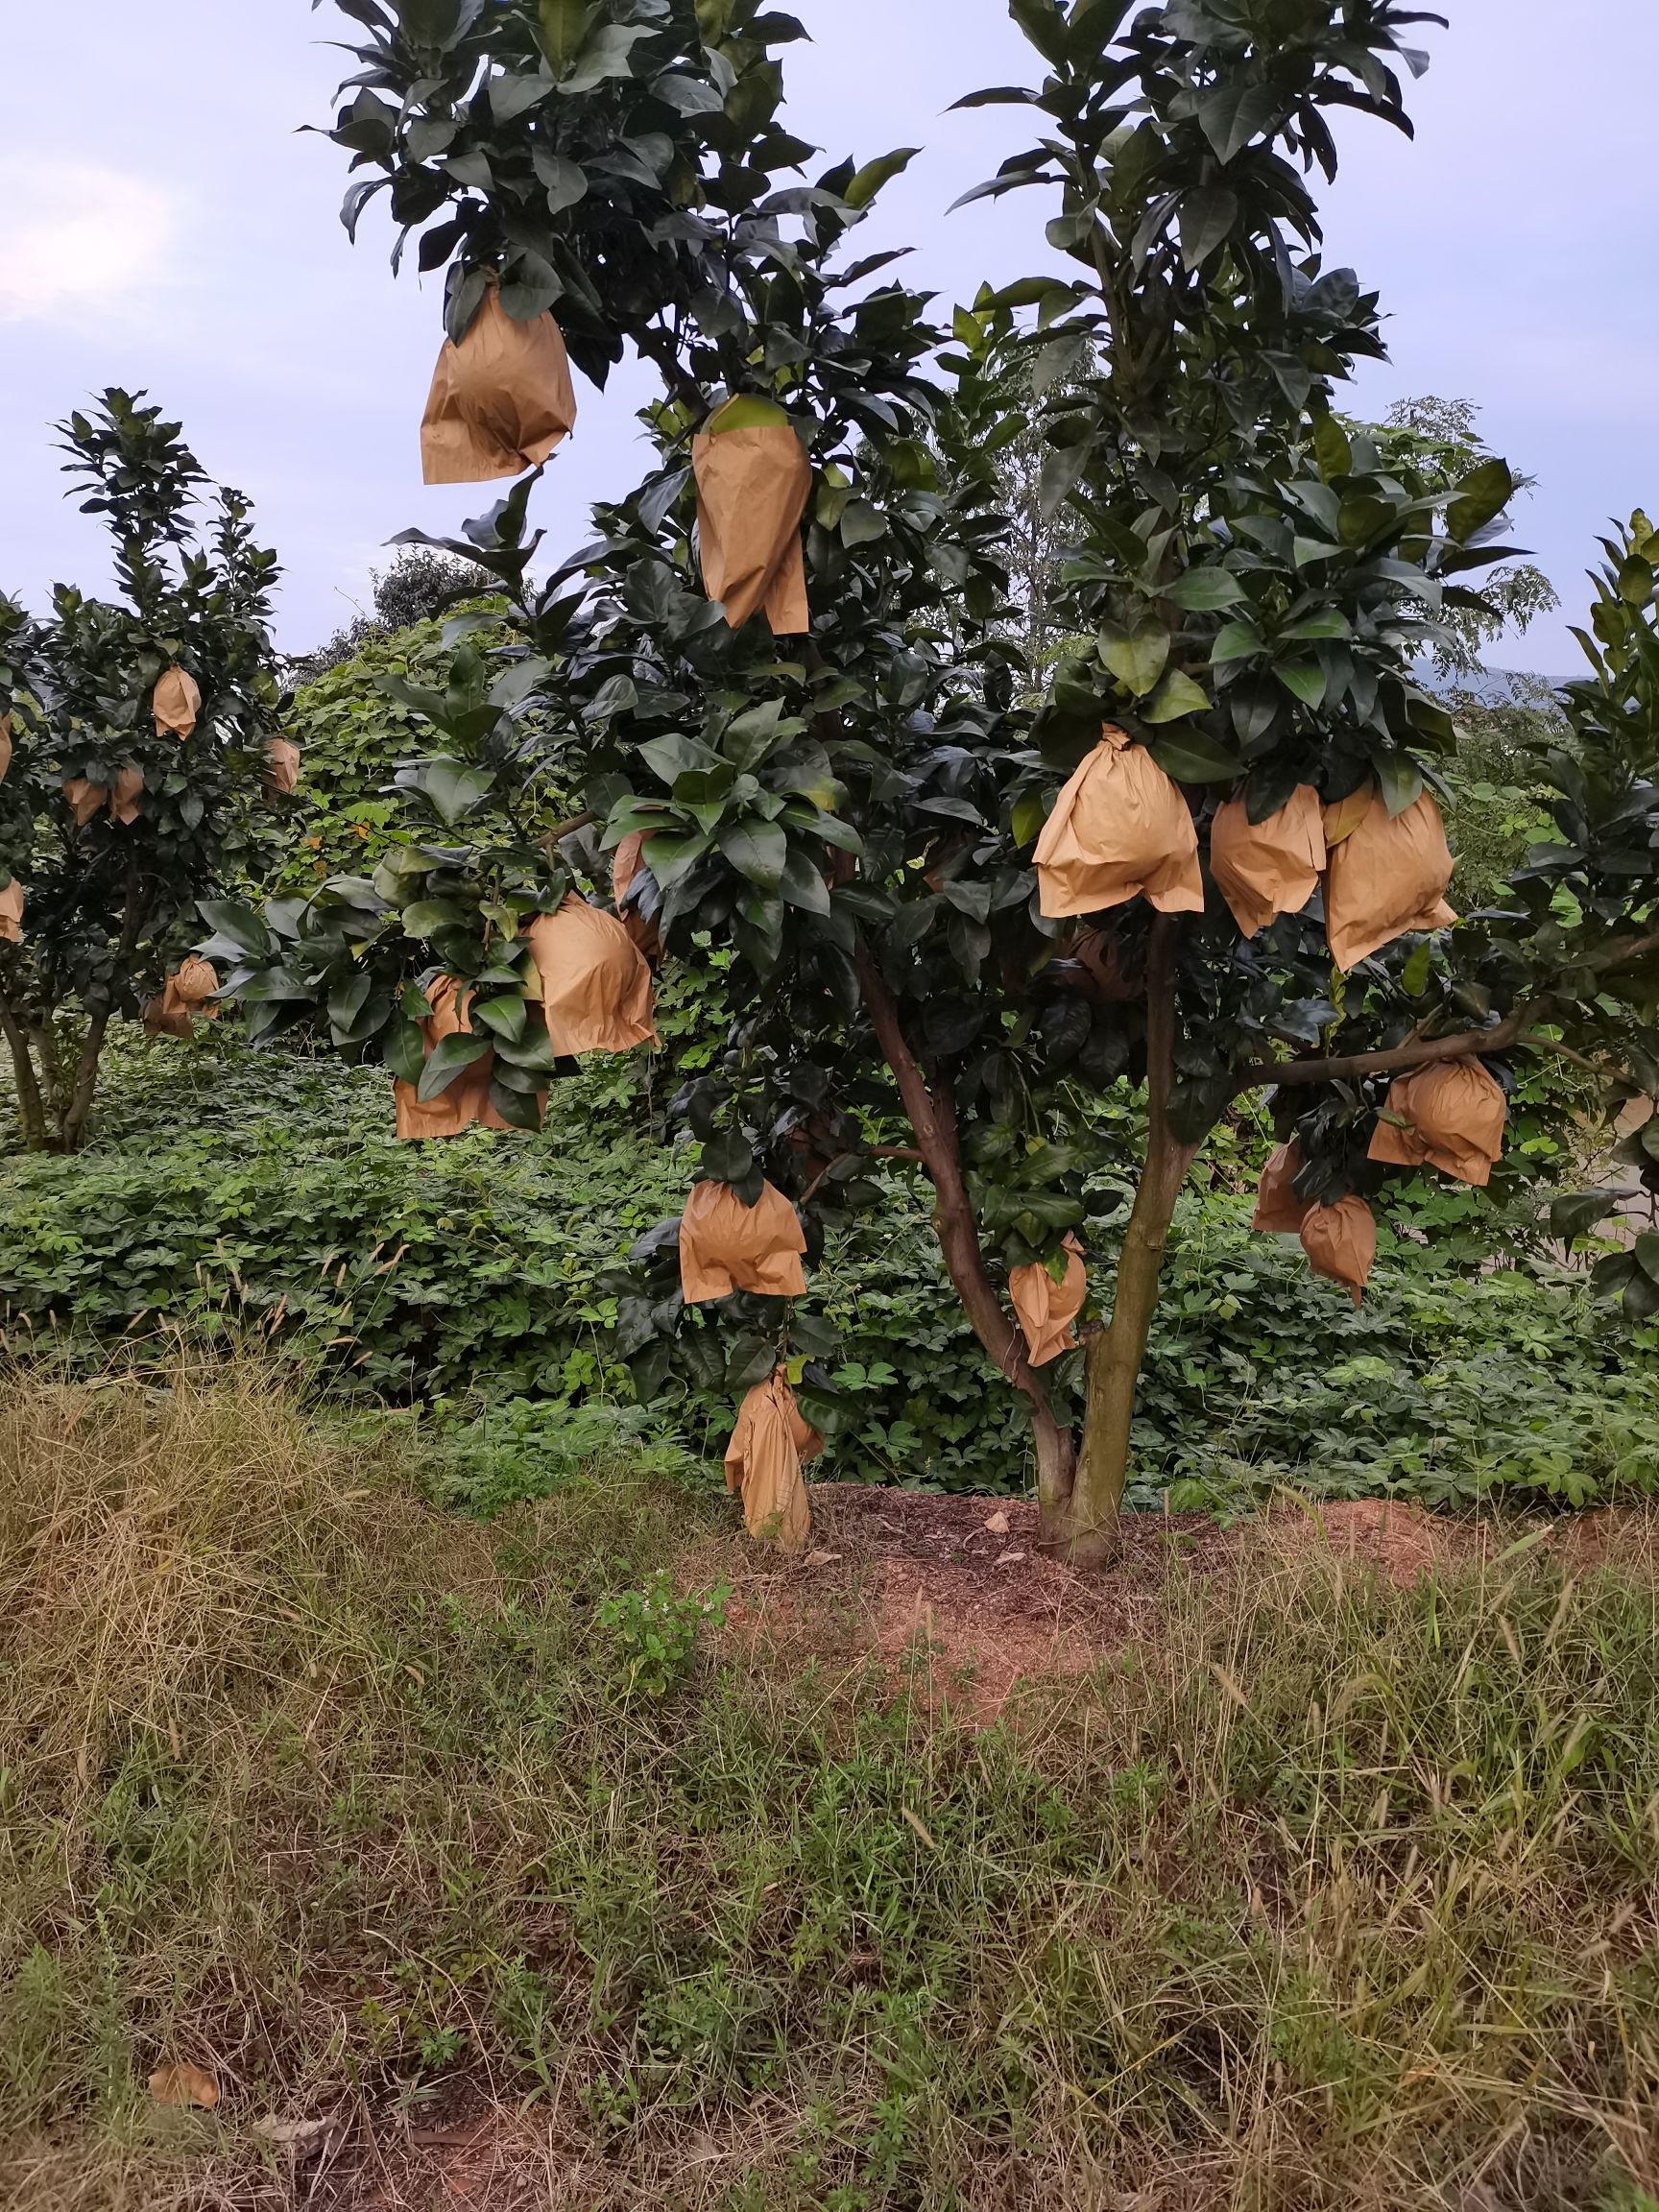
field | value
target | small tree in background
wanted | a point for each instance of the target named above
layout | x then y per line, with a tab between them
850	816
111	904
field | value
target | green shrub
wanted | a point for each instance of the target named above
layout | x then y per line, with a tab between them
234	1196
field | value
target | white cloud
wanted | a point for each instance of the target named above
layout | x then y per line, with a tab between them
79	240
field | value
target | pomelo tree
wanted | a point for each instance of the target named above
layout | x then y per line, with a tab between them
136	736
852	814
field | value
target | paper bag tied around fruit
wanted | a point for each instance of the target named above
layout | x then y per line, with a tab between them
1340	1242
11	913
87	800
1119	828
753	483
1279	1212
466	1100
627	865
1451	1116
1388	875
727	1246
593	981
771	1443
282	775
176	704
186	996
501	401
1266	868
1048	1310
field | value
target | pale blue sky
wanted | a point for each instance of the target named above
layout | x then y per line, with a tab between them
180	235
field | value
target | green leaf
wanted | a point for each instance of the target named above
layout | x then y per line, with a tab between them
1331	450
1237	642
452	788
803	885
862	524
1235	114
1176	696
1206	216
1304	677
1635	581
1194	756
450	1057
1577	1216
670	758
758	849
506	1014
1137	659
1204	590
1482	497
1400	781
240	924
869	180
405	1051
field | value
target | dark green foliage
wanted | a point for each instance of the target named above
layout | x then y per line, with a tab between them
246	1199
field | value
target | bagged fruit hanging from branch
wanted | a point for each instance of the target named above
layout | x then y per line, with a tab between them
727	1246
753	483
501	401
1048	1310
770	1445
1340	1242
176	704
1388	875
1266	868
11	913
465	1101
282	775
1451	1116
627	867
87	800
186	997
593	982
1119	828
1279	1212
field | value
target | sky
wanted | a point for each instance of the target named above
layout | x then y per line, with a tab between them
181	234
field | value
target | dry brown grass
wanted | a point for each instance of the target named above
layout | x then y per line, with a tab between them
1318	1892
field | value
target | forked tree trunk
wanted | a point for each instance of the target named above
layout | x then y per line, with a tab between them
31	1107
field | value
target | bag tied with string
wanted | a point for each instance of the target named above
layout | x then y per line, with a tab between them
753	483
465	1101
1266	868
593	982
1340	1242
11	913
88	800
1388	875
1279	1212
501	401
727	1246
1048	1310
176	704
282	774
186	996
1451	1116
771	1444
1119	829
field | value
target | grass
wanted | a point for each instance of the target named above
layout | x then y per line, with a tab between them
1325	1894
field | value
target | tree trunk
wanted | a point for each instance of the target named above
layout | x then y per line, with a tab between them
30	1112
932	1116
1116	1354
72	1128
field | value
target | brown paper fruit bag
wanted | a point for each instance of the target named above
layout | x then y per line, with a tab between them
1266	868
186	996
1340	1242
1279	1212
593	981
727	1246
466	1101
501	401
771	1441
1451	1116
1048	1310
282	776
628	863
1387	877
753	483
86	799
11	913
176	705
1119	828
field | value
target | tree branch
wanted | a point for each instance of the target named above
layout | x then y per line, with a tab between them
1356	1067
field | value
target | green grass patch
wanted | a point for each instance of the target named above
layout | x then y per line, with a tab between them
1321	1893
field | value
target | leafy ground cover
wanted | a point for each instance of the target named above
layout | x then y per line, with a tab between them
1312	1891
264	1198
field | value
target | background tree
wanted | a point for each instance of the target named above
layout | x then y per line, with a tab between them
111	904
851	818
